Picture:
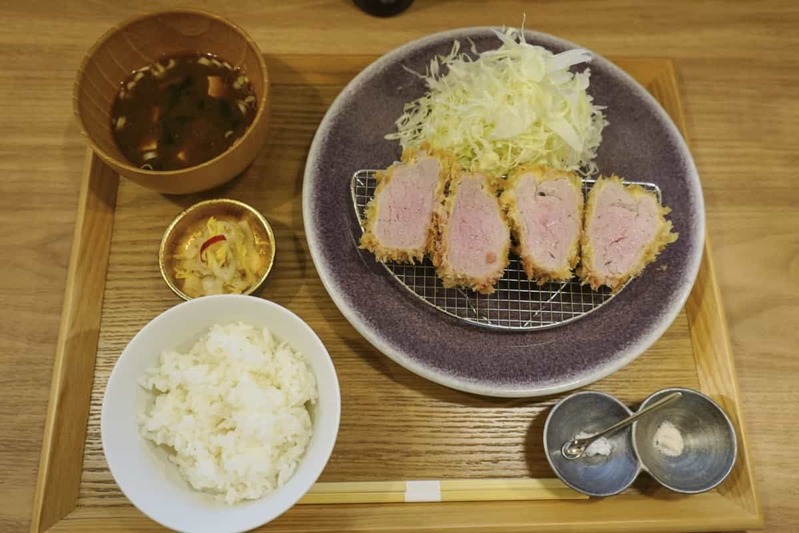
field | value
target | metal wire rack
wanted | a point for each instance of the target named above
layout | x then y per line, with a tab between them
518	304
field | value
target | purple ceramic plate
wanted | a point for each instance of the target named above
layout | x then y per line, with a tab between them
640	143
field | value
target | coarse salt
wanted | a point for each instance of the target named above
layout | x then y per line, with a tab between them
668	440
601	446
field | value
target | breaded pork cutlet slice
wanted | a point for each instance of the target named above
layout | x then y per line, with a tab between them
399	219
545	211
473	238
625	229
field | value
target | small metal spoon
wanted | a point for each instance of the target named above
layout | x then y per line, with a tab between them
575	448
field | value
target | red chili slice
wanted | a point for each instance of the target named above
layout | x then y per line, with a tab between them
209	242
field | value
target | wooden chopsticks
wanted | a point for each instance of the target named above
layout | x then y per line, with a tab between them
448	490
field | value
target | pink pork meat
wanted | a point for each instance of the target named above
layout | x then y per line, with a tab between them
473	236
545	210
399	219
625	230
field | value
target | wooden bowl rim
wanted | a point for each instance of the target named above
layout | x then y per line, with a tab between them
126	166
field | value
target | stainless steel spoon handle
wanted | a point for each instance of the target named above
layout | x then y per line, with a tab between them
627	421
576	447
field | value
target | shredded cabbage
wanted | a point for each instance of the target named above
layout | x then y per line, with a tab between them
516	105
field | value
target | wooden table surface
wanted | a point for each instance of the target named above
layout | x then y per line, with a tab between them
738	67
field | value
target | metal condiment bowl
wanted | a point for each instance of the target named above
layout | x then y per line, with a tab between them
189	221
591	412
710	446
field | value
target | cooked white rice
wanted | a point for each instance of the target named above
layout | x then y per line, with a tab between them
233	410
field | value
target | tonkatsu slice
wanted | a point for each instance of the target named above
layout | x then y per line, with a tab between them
399	219
545	210
625	229
473	238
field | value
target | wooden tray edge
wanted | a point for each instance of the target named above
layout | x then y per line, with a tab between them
677	514
61	456
717	378
711	341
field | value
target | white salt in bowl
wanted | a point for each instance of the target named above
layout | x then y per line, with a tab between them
143	471
699	448
595	475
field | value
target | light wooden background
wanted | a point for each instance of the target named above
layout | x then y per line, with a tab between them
738	68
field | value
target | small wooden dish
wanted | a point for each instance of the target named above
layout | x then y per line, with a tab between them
144	40
191	219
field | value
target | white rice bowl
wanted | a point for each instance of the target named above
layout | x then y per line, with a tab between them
234	410
150	474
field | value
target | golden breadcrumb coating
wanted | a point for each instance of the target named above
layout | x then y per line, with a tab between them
450	277
663	237
369	241
508	199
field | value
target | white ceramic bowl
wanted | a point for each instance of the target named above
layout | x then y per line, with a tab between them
142	470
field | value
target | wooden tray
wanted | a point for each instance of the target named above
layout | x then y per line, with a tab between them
395	426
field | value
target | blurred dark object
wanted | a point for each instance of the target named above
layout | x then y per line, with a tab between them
383	8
